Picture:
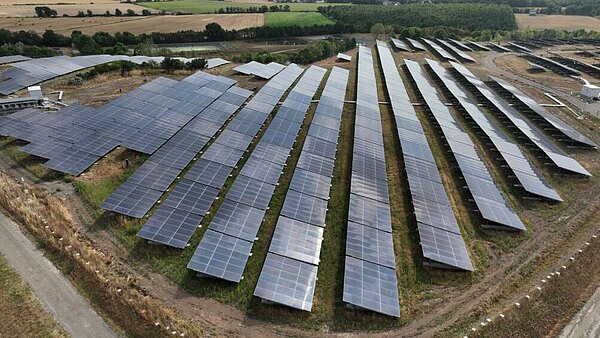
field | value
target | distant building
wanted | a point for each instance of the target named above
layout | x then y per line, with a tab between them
590	91
33	100
532	12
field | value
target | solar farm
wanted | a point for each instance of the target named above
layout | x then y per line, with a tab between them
403	179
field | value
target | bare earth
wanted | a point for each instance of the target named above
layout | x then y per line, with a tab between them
568	22
136	25
11	10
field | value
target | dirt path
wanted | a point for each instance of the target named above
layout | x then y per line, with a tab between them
585	324
55	292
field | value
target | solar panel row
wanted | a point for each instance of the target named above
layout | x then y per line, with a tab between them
527	103
261	70
491	203
299	231
201	185
456	51
561	159
400	45
369	271
432	208
416	44
242	211
437	49
165	165
526	174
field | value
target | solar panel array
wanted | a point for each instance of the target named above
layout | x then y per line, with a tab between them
490	201
216	62
432	208
500	48
199	187
527	175
555	66
344	57
13	58
299	231
461	46
456	51
369	276
77	136
261	70
519	48
416	44
565	130
244	206
166	164
477	46
590	69
561	159
441	52
401	45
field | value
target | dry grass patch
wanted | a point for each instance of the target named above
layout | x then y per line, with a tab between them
568	22
11	10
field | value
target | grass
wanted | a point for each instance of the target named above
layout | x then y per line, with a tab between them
22	313
301	19
33	164
208	6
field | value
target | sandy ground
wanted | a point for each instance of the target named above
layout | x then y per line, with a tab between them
11	10
585	323
136	25
568	22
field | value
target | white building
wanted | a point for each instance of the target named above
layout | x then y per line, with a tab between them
590	91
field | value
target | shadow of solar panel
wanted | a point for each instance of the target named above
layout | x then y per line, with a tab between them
170	226
370	187
193	197
287	281
251	192
237	220
370	244
369	212
311	183
304	208
222	154
371	286
221	256
72	161
131	200
209	173
234	139
315	163
444	247
261	170
154	175
297	240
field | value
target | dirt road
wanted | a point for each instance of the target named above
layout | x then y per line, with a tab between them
55	292
585	324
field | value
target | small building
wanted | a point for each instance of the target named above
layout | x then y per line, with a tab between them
532	12
344	57
33	100
590	91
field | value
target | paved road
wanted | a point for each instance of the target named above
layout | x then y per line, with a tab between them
56	293
586	323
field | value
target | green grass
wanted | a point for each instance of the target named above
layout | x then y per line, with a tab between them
21	312
208	6
33	164
296	19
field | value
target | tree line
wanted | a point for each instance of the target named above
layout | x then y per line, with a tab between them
253	9
470	17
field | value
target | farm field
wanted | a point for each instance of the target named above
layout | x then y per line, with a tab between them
11	10
22	313
210	6
296	19
568	22
136	25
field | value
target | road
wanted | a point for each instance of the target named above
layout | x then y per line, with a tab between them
585	324
57	294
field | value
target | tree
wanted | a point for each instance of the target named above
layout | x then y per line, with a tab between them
214	32
197	64
80	14
89	13
118	49
146	47
45	12
130	12
86	45
146	12
381	29
127	67
118	12
169	64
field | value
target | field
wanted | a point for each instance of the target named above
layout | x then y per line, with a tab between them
296	19
209	6
136	25
22	313
69	9
567	22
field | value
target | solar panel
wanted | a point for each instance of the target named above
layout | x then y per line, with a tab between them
154	175
444	247
223	256
170	226
223	154
315	163
310	183
261	170
287	281
370	244
209	173
370	187
131	200
371	286
369	212
193	197
298	240
238	220
72	161
251	192
304	208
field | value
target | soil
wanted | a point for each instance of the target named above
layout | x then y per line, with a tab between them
568	22
17	11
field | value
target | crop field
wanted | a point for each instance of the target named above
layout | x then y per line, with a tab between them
136	25
296	19
567	22
210	6
11	10
22	313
